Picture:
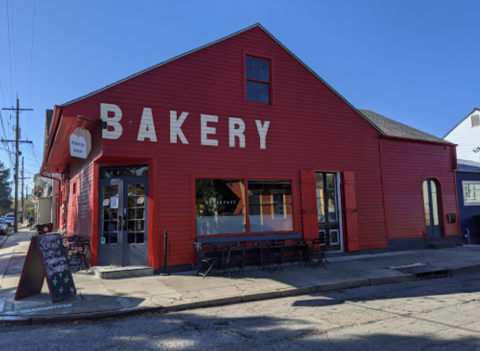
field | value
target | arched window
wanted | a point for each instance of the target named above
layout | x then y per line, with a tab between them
431	205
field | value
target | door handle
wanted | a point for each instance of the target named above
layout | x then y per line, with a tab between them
119	224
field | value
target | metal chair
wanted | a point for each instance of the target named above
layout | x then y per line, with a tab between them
300	250
260	253
325	243
315	255
77	252
274	256
204	263
236	257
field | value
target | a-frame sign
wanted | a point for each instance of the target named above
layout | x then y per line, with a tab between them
46	260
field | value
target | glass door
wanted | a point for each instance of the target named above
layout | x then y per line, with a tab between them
135	247
123	216
110	222
327	208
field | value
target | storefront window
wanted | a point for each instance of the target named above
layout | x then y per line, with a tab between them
270	205
220	206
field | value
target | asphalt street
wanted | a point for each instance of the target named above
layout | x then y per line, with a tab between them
440	314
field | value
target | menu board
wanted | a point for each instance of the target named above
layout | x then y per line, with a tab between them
46	259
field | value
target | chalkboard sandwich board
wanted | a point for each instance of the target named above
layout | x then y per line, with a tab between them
46	260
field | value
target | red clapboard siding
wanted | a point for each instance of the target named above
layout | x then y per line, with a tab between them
80	211
350	210
311	128
406	166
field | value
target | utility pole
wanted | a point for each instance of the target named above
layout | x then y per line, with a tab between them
23	197
24	209
17	142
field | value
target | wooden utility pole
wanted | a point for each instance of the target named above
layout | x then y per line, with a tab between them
24	209
17	142
23	197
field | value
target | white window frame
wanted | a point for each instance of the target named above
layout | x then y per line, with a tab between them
475	120
331	236
476	200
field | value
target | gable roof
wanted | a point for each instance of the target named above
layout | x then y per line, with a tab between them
451	130
396	129
213	43
467	165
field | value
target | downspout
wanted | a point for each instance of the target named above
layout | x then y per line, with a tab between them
455	168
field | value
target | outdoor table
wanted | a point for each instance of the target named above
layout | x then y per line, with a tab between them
260	246
301	249
220	248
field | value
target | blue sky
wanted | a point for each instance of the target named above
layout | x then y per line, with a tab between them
417	62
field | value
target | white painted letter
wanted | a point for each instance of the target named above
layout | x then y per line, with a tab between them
147	127
208	130
236	132
176	127
111	121
262	132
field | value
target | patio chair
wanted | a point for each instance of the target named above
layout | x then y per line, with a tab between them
315	255
274	256
236	257
260	253
204	263
77	252
300	251
325	243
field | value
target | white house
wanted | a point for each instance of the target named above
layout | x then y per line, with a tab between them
467	135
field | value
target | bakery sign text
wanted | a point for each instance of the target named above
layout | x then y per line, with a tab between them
112	114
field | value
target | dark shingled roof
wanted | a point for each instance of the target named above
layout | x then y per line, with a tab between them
396	129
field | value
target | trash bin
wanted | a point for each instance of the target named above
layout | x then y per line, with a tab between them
44	228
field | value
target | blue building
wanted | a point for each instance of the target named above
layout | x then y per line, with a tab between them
468	187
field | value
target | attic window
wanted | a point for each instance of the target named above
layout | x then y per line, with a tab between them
475	120
258	79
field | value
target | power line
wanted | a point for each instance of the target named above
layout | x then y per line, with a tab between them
30	172
35	155
17	142
34	163
1	87
9	51
31	53
8	147
14	52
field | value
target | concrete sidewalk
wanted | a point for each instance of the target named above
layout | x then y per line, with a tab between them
107	298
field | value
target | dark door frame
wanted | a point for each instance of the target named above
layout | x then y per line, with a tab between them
433	231
122	226
337	225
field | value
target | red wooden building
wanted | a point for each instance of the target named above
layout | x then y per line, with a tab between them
239	138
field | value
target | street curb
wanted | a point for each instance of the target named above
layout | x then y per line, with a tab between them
88	317
465	269
4	239
267	295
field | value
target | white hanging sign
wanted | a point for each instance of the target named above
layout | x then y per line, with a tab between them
80	143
